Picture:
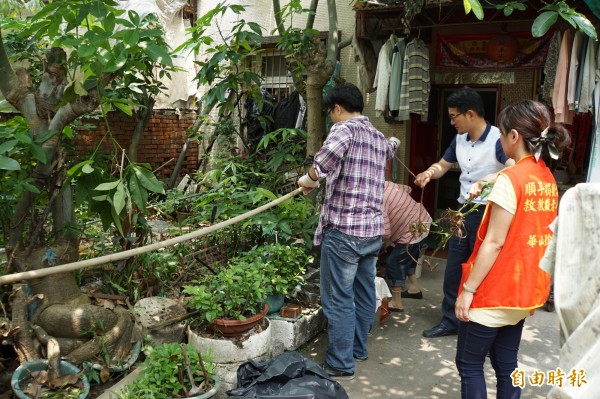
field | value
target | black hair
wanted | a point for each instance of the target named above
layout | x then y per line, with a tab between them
530	118
345	95
466	99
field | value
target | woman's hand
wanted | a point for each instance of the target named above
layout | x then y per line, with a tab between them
463	303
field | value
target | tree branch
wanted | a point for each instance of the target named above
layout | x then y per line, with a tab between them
9	84
310	22
143	116
333	39
278	20
346	42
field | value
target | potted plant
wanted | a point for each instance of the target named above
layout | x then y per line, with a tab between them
285	265
165	375
234	297
34	377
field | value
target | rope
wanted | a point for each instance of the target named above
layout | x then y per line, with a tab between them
69	267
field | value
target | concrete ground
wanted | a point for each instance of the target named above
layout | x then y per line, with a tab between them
404	364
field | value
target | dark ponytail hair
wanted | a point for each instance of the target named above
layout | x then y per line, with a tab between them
534	123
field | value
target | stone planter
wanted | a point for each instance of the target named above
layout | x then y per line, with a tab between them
291	333
119	387
229	354
23	372
154	310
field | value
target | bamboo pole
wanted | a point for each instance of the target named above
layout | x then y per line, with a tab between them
69	267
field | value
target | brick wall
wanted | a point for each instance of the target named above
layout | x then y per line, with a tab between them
165	134
163	139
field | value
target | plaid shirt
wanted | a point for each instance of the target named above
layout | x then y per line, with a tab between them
353	160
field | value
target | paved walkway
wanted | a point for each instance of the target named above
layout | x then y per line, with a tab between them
403	364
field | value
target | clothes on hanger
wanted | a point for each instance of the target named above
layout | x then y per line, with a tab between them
382	75
550	67
397	74
561	81
588	78
574	60
414	93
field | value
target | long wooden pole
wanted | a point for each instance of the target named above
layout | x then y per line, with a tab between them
68	267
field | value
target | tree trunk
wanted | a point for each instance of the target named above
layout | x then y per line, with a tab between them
24	343
46	110
140	125
66	314
316	120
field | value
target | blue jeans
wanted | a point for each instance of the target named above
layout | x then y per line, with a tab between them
348	295
473	344
459	250
401	262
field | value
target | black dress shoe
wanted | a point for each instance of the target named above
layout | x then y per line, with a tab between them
416	295
438	331
337	374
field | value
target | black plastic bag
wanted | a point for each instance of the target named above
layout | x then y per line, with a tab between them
287	376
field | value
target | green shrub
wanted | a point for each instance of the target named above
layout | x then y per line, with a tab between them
159	378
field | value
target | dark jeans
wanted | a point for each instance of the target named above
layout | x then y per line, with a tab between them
348	295
401	262
473	344
459	250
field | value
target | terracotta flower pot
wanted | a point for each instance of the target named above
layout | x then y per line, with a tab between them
235	328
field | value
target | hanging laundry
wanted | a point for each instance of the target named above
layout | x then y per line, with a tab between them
300	121
414	93
382	75
398	57
580	71
550	67
254	129
285	113
588	80
366	65
561	80
593	174
574	68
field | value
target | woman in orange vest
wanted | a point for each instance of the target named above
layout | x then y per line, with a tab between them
502	283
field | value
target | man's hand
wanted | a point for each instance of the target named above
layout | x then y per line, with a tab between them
423	178
395	141
308	183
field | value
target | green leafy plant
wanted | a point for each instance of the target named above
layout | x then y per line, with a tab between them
284	147
225	68
239	290
159	378
118	199
548	15
236	292
177	200
237	185
285	263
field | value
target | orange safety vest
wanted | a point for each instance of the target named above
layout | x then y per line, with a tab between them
516	281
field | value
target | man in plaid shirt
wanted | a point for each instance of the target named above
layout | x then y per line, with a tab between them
352	160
